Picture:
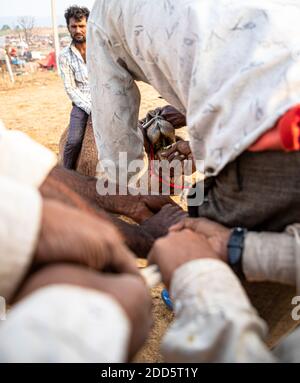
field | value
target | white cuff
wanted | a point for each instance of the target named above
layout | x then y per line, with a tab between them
270	257
23	159
20	215
64	323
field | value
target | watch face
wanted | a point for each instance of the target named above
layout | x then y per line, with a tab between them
234	256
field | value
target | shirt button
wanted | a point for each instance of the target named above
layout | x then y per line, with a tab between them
237	147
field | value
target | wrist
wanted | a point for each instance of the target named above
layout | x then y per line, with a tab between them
225	238
220	242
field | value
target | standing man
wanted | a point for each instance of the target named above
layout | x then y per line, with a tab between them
72	62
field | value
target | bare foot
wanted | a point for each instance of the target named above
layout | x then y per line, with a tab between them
158	225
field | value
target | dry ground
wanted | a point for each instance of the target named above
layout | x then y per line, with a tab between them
38	106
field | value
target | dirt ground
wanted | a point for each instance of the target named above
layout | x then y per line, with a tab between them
37	105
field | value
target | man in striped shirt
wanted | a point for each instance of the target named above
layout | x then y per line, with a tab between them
74	73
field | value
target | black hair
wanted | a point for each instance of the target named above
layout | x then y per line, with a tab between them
76	13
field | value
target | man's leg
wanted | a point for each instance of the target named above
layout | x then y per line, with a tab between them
78	121
259	191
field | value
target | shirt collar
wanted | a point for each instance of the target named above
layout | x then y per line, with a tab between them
76	51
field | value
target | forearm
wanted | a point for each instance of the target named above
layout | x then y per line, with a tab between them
73	188
79	99
79	191
271	257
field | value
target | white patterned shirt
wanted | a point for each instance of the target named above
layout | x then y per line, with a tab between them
75	76
232	66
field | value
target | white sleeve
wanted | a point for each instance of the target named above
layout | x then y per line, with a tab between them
64	323
273	257
20	216
23	159
115	108
214	320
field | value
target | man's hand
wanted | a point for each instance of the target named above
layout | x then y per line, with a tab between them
180	151
139	208
128	290
178	248
216	234
70	235
173	116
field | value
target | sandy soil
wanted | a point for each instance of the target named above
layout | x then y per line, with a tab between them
38	106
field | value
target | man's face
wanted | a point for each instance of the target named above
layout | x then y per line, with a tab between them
77	30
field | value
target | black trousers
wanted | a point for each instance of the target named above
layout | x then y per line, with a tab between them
78	121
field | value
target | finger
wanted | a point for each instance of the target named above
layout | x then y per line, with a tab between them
175	210
184	147
177	157
173	155
200	225
142	214
177	227
169	151
187	223
123	261
180	216
155	203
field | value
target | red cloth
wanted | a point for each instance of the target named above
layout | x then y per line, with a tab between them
284	136
49	61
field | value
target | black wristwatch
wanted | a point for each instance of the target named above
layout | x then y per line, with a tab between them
235	250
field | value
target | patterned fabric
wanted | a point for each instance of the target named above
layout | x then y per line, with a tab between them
75	76
231	66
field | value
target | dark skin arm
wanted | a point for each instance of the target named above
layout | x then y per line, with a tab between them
139	207
79	191
136	237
